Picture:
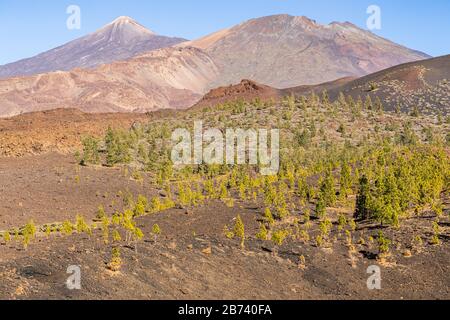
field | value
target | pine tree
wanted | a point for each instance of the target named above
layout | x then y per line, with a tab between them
116	261
156	204
30	229
7	236
90	151
263	233
279	236
269	217
342	101
321	207
379	105
81	225
325	98
67	228
383	244
239	230
100	213
342	222
362	211
140	207
327	189
368	105
117	147
156	231
48	231
436	233
116	236
105	230
345	180
223	192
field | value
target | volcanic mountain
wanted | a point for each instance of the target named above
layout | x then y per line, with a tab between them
285	51
121	39
113	73
246	90
160	79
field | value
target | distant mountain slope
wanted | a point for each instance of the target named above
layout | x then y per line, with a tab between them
160	79
318	88
285	51
423	84
119	40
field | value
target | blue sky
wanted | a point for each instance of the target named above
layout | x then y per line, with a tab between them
28	27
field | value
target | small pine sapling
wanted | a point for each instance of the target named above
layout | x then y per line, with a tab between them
116	236
116	262
156	231
269	217
7	237
105	230
48	230
383	244
279	236
81	225
239	230
263	233
302	262
352	224
67	228
227	232
342	222
436	233
100	213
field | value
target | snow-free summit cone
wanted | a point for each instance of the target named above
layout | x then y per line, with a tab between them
126	28
119	40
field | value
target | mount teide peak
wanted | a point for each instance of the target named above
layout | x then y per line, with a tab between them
124	30
285	51
119	40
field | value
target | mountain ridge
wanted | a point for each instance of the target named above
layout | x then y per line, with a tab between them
160	79
292	54
285	51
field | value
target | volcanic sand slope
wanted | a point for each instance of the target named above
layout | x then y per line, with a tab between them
160	79
285	51
423	84
58	130
192	258
120	40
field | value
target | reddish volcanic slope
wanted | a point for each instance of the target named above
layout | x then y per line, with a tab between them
166	78
246	90
423	84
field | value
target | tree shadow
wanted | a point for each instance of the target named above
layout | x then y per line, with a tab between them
368	255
